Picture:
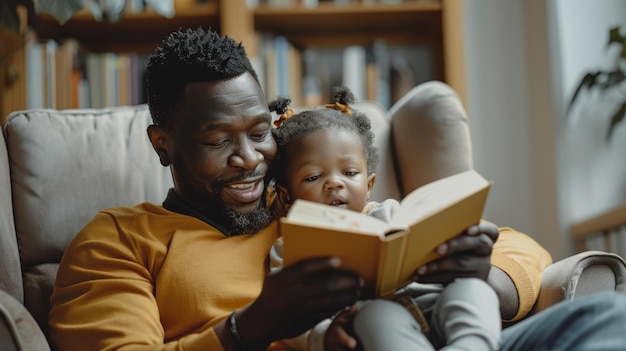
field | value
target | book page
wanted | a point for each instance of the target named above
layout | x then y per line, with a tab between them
436	196
321	215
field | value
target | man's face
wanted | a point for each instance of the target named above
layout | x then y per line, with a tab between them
220	147
330	167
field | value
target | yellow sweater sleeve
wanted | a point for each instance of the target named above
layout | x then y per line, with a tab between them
524	260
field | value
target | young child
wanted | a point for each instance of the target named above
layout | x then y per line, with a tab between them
327	155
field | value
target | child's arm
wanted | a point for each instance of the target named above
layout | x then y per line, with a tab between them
383	211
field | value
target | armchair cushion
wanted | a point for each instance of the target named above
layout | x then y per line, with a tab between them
10	269
430	135
18	330
579	275
65	167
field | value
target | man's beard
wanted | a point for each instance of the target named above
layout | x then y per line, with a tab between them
241	223
247	223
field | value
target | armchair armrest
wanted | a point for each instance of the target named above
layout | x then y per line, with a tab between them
579	275
18	329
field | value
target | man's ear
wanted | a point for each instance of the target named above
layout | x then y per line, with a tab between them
282	196
371	179
158	137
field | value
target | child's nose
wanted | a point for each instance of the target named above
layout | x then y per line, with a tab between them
333	182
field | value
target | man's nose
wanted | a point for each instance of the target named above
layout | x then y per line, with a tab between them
246	156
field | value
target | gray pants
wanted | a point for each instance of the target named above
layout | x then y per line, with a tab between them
592	323
465	315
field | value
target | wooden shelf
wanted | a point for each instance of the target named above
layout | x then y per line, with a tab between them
140	32
332	25
435	24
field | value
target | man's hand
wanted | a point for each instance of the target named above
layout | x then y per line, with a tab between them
339	336
467	255
296	298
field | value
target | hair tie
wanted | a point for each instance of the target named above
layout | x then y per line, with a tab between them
281	106
285	116
344	108
343	98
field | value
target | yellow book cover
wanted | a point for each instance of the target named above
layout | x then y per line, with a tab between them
387	254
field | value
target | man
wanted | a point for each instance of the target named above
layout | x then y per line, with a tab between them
192	274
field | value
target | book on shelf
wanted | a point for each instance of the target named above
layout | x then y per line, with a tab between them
354	70
115	79
279	67
378	73
311	79
51	73
35	75
281	48
387	254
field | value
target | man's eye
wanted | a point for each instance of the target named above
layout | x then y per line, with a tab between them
260	136
312	178
216	144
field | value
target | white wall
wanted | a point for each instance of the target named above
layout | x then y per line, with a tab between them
497	104
594	169
523	60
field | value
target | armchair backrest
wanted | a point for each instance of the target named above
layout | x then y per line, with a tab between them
430	135
10	270
64	167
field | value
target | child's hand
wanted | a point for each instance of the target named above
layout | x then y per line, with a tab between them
467	255
338	335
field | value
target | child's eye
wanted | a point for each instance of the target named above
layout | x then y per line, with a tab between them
351	173
312	178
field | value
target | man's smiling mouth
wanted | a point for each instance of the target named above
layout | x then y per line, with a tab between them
246	191
243	186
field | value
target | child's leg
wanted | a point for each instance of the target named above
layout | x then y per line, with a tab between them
467	315
383	325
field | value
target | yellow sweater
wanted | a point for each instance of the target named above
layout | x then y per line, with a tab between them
135	277
145	278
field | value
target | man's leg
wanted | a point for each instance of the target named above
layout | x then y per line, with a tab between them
592	323
467	317
383	325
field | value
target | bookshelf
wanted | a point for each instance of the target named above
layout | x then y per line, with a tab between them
435	24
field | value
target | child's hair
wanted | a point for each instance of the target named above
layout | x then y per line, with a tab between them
190	56
290	128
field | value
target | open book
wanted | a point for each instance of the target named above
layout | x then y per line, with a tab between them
387	254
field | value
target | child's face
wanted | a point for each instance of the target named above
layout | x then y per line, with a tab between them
330	167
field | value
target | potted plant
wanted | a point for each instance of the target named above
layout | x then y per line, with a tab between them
613	80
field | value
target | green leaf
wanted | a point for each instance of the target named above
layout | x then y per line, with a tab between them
615	36
615	120
60	10
588	82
